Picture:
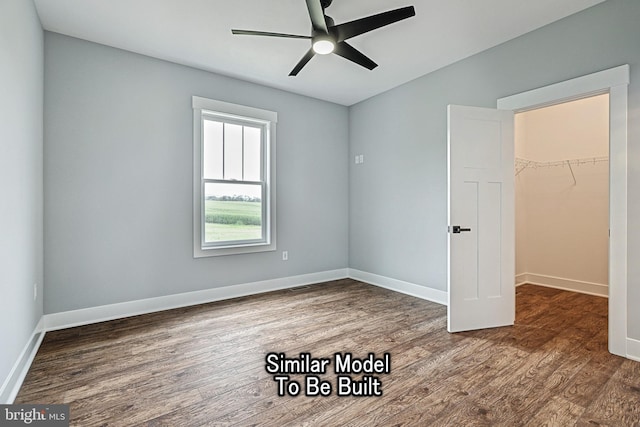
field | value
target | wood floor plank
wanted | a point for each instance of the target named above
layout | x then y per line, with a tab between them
558	412
618	404
205	365
585	385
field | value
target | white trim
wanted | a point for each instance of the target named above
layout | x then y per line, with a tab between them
618	193
243	111
589	288
580	87
69	319
521	279
614	81
85	316
202	106
14	380
633	349
422	292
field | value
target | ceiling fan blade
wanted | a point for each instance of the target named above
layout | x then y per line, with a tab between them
267	34
316	13
352	54
306	58
360	26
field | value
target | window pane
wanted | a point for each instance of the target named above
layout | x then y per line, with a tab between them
212	161
232	212
252	164
232	152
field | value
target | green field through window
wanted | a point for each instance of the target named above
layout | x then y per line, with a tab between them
232	220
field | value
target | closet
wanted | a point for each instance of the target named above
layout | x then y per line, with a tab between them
562	195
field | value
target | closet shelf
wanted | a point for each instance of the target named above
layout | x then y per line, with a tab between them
522	164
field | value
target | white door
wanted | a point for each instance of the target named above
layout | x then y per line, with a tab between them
481	217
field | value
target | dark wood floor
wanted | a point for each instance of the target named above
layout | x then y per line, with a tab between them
205	365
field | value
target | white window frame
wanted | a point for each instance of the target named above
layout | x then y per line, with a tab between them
202	108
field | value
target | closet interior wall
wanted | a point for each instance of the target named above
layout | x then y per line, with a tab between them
562	195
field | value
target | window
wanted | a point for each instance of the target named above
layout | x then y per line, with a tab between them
234	179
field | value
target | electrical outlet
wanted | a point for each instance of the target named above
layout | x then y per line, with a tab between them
285	255
35	291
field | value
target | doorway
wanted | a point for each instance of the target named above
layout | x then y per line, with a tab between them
562	196
615	82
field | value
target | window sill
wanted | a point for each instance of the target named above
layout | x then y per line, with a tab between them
199	252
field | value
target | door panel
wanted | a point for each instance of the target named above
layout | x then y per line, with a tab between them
481	261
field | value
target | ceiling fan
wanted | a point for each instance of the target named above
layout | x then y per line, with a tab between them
326	37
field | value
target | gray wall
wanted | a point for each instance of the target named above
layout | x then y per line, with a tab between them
118	179
21	81
118	165
398	203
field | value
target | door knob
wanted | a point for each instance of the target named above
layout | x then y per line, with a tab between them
456	229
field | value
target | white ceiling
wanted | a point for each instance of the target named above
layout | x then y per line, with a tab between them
198	33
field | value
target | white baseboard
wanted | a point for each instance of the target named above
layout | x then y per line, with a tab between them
588	288
85	316
68	319
521	279
633	349
407	288
14	380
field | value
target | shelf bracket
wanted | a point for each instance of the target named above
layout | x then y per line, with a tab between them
572	174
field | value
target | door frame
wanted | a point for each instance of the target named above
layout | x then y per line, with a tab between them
615	82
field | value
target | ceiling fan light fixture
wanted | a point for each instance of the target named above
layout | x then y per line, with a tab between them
323	46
